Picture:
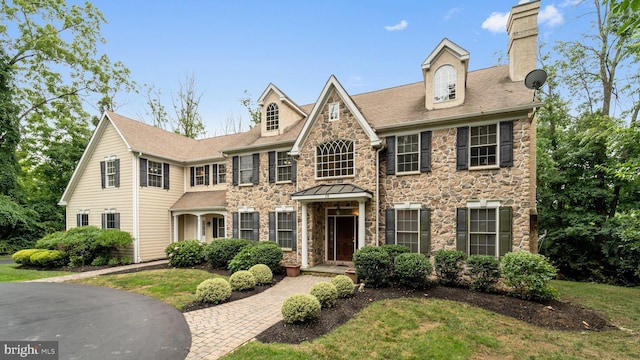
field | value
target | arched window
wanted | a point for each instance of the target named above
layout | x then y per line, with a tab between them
444	84
273	117
334	158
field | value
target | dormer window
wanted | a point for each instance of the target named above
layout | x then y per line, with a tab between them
444	84
273	117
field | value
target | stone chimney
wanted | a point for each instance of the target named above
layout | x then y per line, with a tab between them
522	28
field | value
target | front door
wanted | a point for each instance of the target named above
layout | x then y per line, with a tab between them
345	237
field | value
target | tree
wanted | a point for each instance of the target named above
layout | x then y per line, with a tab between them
188	121
9	133
254	111
157	110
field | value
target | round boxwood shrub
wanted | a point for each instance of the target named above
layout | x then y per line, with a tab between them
185	253
483	272
213	291
300	308
449	265
373	264
412	270
261	273
220	251
326	293
264	252
48	258
343	285
529	275
23	257
242	280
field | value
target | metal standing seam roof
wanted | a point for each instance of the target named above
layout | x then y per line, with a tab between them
331	191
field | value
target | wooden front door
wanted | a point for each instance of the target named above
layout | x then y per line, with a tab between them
345	237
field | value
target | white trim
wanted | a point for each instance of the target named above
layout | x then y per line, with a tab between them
454	48
334	107
497	145
281	96
407	205
483	204
136	206
246	209
285	208
305	237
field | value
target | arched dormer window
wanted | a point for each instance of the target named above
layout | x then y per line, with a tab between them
334	158
444	84
273	117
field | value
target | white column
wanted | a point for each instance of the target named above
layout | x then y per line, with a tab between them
176	236
199	227
305	238
361	228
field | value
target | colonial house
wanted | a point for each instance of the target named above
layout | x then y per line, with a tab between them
448	162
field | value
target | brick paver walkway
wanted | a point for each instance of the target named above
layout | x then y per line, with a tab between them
218	330
94	273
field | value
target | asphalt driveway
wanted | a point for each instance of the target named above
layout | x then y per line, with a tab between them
91	322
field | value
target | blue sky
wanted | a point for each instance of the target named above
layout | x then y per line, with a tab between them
232	46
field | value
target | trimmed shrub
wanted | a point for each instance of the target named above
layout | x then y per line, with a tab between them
125	260
373	264
185	253
23	257
51	241
483	272
213	291
529	275
449	265
242	280
300	308
221	251
113	261
48	258
343	285
264	252
326	293
412	270
101	260
394	250
261	273
109	240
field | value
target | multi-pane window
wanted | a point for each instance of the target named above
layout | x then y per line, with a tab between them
154	174
283	164
482	232
246	225
111	172
199	175
83	219
444	84
246	169
484	145
334	111
334	159
110	221
221	174
408	150
408	229
284	229
273	117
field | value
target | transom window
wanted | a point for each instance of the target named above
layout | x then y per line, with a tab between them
408	229
111	173
408	148
199	175
284	229
154	174
334	159
222	174
484	145
482	232
246	225
246	169
334	111
273	117
444	84
283	166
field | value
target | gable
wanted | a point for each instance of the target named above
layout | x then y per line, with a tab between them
275	104
456	59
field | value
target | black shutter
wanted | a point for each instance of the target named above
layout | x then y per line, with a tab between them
294	169
102	174
425	151
236	225
116	220
104	221
272	226
461	229
165	176
193	176
425	231
214	225
214	171
256	169
391	155
256	226
206	175
272	166
117	174
79	220
235	170
505	234
506	144
143	172
462	148
294	242
390	226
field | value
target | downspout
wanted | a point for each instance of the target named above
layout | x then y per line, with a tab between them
136	207
382	147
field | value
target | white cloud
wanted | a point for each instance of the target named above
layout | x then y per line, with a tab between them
400	26
570	3
550	16
452	12
496	22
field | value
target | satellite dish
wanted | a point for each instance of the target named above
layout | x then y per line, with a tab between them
535	79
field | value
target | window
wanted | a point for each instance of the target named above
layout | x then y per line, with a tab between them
111	173
284	229
154	173
484	145
334	111
111	220
482	232
444	84
334	159
221	174
246	225
246	169
283	166
199	175
273	117
82	218
218	228
408	229
408	153
409	224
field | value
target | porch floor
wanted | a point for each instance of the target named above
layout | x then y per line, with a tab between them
326	269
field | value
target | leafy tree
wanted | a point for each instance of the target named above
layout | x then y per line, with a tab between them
254	111
9	132
188	121
157	110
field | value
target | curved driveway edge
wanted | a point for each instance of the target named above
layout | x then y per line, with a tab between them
91	322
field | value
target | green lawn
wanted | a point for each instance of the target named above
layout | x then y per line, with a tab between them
12	272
